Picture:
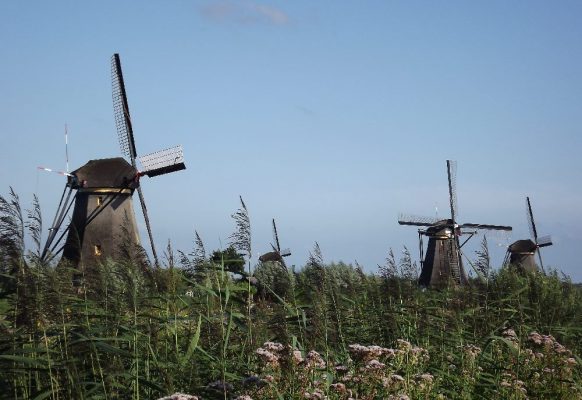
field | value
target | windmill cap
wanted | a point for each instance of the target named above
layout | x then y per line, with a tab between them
105	173
523	246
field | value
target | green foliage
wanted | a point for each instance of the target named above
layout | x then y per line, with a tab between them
119	330
233	261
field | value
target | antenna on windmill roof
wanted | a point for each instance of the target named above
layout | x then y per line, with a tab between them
67	147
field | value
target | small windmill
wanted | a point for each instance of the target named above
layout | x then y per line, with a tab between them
277	254
443	260
103	207
522	252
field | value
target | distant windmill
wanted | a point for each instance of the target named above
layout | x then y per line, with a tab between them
103	207
443	260
522	252
277	254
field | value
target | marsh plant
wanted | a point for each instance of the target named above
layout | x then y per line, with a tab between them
211	325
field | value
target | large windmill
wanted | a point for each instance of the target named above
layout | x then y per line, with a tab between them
102	190
277	254
442	262
522	252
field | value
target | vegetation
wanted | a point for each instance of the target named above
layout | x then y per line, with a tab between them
208	326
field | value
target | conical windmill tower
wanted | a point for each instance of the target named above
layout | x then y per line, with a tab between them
442	262
522	252
277	254
102	193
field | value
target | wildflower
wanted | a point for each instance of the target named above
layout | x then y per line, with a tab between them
358	351
392	380
399	397
269	378
366	353
316	395
374	364
180	396
535	337
419	354
338	387
471	351
342	369
375	351
268	357
403	344
297	357
244	397
548	341
273	347
314	360
571	361
390	353
428	378
509	334
560	349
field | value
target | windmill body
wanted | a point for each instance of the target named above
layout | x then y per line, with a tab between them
277	255
103	213
103	217
443	263
521	253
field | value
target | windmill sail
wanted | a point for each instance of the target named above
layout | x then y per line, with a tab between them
163	162
121	111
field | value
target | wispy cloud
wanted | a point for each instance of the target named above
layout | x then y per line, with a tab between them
243	12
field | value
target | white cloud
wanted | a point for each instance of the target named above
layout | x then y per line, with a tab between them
243	13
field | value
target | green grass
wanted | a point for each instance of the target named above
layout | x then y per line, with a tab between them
122	330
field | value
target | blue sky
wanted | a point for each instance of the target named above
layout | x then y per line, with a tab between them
330	116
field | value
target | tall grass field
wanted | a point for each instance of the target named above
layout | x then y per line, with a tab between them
222	326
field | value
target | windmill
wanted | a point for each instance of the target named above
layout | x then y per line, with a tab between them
102	191
522	252
277	254
443	260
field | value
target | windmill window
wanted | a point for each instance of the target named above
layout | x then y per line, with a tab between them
99	200
97	250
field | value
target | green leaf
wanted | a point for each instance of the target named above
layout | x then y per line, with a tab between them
193	344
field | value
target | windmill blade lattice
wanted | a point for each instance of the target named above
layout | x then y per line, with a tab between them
530	221
276	237
121	111
452	178
486	226
545	241
417	220
163	161
125	135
